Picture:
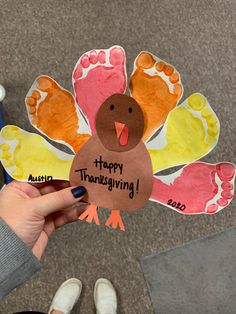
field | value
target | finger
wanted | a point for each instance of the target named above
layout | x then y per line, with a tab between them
47	189
24	187
56	186
59	184
52	202
54	220
38	185
49	226
40	245
67	215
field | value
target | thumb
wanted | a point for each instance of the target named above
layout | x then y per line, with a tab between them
52	202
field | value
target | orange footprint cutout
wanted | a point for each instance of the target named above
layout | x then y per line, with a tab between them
52	110
157	87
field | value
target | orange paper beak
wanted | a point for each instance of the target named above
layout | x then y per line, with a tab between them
119	128
122	133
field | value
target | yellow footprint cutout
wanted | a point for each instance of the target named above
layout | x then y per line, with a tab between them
23	154
190	132
52	110
156	86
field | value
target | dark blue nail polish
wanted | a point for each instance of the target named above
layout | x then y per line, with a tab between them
78	191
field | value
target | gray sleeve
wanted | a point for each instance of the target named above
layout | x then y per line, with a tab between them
17	262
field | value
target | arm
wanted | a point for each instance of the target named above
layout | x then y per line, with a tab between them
17	262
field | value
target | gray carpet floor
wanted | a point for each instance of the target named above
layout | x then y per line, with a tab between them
47	37
199	277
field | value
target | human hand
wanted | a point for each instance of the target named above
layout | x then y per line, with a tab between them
34	211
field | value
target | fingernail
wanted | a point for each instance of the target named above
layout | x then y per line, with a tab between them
78	191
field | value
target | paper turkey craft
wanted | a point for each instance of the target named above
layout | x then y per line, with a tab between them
117	151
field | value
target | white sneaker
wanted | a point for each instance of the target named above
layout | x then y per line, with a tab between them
66	296
105	297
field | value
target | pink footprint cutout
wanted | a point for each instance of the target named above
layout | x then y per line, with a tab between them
97	75
197	188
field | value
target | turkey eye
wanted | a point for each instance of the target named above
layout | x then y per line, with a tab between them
112	107
130	109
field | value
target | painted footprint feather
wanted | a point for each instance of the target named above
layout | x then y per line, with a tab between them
197	188
52	110
156	86
23	154
190	132
97	75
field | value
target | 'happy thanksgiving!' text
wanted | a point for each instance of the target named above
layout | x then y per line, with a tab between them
111	183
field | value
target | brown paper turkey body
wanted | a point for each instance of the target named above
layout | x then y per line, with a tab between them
114	165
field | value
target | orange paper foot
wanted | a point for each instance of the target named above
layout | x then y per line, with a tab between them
115	220
90	214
